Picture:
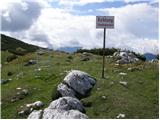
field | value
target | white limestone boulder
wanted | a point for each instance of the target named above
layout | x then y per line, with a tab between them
67	103
36	114
64	90
80	82
62	114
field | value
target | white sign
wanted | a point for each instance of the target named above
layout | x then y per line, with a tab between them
105	22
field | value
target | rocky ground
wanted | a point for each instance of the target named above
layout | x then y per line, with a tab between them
70	86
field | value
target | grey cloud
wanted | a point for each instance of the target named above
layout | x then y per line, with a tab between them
42	37
20	16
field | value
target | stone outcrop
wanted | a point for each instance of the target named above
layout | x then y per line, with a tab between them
125	57
76	83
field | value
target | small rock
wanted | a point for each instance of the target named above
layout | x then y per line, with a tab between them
18	88
122	73
123	83
98	89
29	105
10	79
140	82
116	64
121	116
21	113
86	58
38	69
38	104
24	92
4	81
20	75
30	62
129	69
104	97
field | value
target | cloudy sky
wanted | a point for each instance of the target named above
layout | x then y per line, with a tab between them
72	23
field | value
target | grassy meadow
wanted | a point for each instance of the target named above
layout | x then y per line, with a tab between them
138	100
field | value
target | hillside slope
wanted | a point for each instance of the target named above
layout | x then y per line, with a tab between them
15	46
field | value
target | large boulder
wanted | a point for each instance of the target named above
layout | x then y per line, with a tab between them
63	114
64	90
36	114
67	103
80	82
62	108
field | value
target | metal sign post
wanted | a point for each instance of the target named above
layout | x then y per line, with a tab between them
104	42
104	22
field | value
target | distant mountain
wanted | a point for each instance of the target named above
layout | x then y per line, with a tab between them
15	46
150	56
69	49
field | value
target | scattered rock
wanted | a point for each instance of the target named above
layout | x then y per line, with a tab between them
20	95
121	116
21	113
36	114
20	75
10	79
85	58
80	82
86	54
24	92
109	56
104	97
30	62
124	83
38	104
134	69
4	81
98	89
121	73
125	57
38	69
140	82
18	88
116	64
31	107
122	61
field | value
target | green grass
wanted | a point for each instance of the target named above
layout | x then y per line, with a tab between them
139	100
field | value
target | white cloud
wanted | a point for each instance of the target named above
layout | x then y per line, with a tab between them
136	29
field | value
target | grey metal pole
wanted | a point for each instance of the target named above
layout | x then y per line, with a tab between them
103	52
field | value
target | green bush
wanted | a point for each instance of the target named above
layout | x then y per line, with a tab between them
99	51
